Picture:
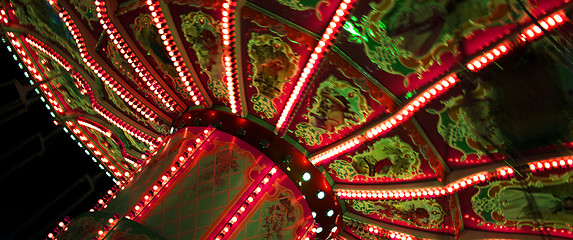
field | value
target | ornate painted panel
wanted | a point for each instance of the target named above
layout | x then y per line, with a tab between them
339	101
537	203
428	214
402	155
273	56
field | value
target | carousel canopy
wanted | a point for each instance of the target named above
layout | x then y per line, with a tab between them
371	119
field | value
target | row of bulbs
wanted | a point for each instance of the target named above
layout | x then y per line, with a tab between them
313	62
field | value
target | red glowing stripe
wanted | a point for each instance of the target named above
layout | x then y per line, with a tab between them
245	205
62	227
118	173
118	122
4	16
313	62
229	62
377	232
173	51
164	98
528	33
402	115
27	60
103	130
552	164
48	51
144	203
139	107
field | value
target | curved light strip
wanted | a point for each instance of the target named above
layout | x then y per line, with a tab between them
173	51
313	63
552	164
118	173
164	98
403	114
54	103
103	130
87	90
377	232
144	203
529	33
125	95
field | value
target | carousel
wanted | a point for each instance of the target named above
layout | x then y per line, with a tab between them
310	119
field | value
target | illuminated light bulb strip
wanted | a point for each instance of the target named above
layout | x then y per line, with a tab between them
173	51
96	128
141	72
181	162
527	34
490	56
4	16
93	148
229	62
132	101
558	163
101	129
376	232
109	195
48	51
475	65
35	72
434	192
313	63
42	47
391	122
551	164
62	227
118	122
548	23
106	227
124	126
237	215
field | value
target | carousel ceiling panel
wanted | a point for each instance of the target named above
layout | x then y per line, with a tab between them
422	113
197	32
402	155
455	125
312	16
273	56
340	101
501	205
432	214
405	46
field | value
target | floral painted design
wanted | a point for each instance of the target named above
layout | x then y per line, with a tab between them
225	163
387	157
87	10
466	123
273	63
534	202
407	37
204	36
279	215
422	213
337	105
149	38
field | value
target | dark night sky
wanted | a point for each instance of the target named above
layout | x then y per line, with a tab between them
44	173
